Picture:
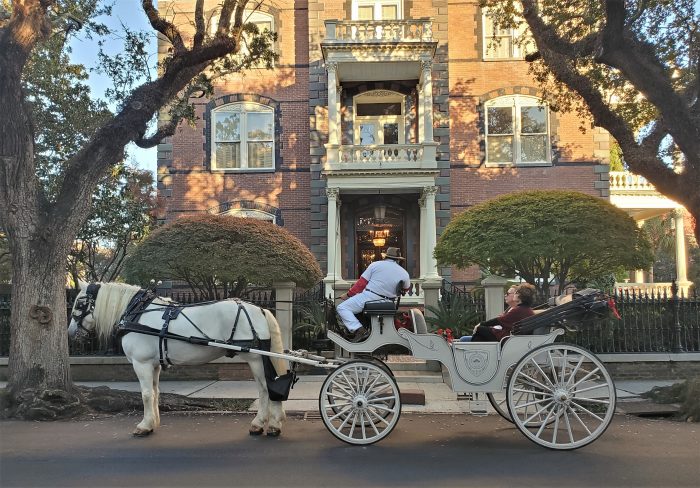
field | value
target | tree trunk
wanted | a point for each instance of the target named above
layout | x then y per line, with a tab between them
40	384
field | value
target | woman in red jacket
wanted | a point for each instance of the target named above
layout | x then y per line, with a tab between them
519	299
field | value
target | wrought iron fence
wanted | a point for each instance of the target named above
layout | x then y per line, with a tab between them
92	347
310	310
472	297
650	322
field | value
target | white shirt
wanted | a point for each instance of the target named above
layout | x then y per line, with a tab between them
383	276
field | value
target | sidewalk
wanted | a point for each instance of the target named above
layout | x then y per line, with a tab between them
439	398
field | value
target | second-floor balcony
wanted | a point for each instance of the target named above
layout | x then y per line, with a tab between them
366	50
361	158
637	196
379	31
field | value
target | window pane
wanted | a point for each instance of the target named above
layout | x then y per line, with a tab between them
228	126
533	120
533	149
260	127
389	12
378	109
365	12
228	155
264	25
499	47
391	133
368	134
260	155
500	120
500	149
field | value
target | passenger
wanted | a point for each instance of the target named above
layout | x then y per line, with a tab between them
519	299
380	280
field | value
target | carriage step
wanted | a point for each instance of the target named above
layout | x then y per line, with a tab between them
402	363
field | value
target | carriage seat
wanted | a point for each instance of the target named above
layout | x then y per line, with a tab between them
380	307
384	306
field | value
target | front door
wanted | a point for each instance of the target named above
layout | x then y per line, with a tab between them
379	118
374	233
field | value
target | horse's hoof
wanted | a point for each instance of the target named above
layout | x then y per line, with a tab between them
255	431
142	432
273	432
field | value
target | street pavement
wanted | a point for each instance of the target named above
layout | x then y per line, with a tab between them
206	449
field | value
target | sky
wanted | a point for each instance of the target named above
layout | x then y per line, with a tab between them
131	13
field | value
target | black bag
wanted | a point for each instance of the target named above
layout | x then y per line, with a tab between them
278	387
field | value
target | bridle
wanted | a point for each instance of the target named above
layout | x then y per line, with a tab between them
85	305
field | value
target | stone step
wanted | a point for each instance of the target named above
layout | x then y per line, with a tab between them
418	376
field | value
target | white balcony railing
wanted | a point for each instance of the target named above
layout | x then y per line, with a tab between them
382	156
393	153
414	30
626	182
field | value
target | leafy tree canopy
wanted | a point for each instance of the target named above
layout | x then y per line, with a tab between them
211	251
633	66
545	235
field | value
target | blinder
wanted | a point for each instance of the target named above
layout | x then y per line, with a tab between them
85	305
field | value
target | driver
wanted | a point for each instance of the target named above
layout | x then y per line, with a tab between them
379	281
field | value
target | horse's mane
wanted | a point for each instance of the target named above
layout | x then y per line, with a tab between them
111	303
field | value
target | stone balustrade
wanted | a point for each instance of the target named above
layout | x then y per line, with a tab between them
624	181
361	31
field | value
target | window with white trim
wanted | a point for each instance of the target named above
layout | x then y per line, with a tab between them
505	43
263	21
243	137
517	131
377	9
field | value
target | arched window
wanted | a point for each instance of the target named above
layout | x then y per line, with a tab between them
243	137
517	131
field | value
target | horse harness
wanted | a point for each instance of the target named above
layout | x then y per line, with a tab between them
85	305
142	299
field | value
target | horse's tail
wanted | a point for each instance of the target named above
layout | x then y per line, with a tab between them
273	326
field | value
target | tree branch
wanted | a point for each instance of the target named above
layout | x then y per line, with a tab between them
199	24
164	131
164	27
554	42
636	60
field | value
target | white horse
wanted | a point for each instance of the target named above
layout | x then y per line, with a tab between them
99	308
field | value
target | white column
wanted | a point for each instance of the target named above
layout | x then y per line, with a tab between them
423	241
427	69
420	114
338	254
639	273
333	100
681	258
332	194
430	232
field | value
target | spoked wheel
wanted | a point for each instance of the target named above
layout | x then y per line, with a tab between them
360	403
561	396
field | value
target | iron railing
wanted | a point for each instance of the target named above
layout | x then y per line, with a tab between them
650	322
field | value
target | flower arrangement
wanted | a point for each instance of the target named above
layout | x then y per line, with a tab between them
447	334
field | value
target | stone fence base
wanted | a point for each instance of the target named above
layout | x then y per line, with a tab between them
660	366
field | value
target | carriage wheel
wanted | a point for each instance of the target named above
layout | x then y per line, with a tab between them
561	396
389	403
499	403
360	403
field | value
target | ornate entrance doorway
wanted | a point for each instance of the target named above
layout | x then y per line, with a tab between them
376	228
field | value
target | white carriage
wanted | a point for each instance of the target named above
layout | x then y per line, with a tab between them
558	395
